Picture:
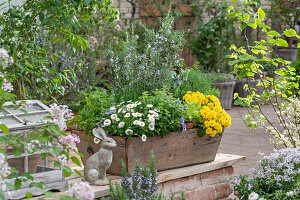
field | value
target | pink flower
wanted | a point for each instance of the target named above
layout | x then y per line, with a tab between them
93	40
82	191
59	115
70	140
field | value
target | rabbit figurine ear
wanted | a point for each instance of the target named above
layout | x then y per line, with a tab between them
99	133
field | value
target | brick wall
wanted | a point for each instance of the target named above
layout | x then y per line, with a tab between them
213	185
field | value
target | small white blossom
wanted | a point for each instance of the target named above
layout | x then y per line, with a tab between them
129	132
107	122
253	196
121	125
144	138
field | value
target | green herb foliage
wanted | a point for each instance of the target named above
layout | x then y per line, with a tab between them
96	104
193	80
146	59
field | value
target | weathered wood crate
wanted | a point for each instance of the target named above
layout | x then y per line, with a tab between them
53	178
178	149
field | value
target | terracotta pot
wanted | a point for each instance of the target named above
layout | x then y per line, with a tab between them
178	149
189	125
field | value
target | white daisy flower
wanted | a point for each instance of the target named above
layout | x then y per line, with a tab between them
144	138
150	115
151	127
253	196
136	122
120	110
112	108
123	111
127	115
96	141
139	114
117	119
151	119
129	132
151	111
149	105
139	103
134	114
121	125
156	110
134	105
130	106
142	124
107	122
156	115
113	116
131	110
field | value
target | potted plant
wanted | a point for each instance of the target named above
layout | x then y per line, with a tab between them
153	123
225	84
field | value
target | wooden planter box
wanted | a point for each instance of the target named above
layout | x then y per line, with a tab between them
177	149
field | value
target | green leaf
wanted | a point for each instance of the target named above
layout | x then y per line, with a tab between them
17	153
261	13
273	33
29	195
238	102
271	40
75	160
4	129
78	172
246	17
253	25
67	171
282	43
290	33
298	45
243	26
201	131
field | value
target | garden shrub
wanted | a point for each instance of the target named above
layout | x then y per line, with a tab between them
210	39
275	177
96	104
247	62
146	59
23	30
193	80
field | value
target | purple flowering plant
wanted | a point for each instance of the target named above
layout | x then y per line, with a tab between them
141	184
276	176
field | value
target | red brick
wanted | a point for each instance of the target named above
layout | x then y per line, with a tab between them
222	190
201	194
216	176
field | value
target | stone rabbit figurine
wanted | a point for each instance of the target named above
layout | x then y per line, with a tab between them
96	165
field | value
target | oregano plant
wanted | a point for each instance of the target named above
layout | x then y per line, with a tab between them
249	61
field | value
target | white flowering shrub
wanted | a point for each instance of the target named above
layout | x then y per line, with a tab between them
275	177
146	59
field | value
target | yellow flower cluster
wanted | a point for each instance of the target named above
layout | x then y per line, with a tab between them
212	115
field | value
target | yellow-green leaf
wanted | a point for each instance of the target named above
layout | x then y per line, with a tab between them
273	33
261	13
290	33
282	42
